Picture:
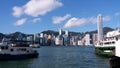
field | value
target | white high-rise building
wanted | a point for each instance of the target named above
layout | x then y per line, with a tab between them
59	40
100	27
87	40
41	35
60	32
66	32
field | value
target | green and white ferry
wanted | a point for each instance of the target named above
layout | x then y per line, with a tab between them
106	47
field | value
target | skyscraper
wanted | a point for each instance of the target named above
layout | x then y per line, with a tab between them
60	32
100	27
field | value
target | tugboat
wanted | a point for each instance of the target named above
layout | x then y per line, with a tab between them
16	50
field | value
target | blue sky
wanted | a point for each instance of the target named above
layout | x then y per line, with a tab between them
35	16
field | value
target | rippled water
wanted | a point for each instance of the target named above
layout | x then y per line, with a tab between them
61	57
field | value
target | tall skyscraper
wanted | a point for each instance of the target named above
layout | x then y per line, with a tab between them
100	27
60	32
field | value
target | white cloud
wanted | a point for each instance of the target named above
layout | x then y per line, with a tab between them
17	11
81	21
20	22
59	19
37	7
75	22
35	20
106	18
92	20
117	14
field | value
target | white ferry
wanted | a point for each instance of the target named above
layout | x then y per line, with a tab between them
106	47
16	51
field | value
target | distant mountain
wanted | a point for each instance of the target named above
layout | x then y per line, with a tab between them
51	32
71	33
105	30
75	33
16	34
1	36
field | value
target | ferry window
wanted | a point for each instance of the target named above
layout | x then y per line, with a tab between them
2	47
6	47
35	51
23	49
27	51
107	43
113	42
11	49
116	38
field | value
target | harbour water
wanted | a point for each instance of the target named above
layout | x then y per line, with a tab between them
61	57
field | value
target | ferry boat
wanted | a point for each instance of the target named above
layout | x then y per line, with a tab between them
16	50
115	61
106	47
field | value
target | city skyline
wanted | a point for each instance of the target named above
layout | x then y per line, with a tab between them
33	16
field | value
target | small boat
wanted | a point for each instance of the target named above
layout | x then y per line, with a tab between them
16	51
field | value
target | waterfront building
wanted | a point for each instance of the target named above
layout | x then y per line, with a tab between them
49	40
59	40
73	40
30	37
67	32
60	32
80	43
66	38
49	37
88	39
45	39
53	40
41	35
100	27
95	38
36	38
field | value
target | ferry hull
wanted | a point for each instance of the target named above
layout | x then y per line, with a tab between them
105	51
18	57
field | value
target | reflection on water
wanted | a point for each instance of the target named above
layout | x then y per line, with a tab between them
61	57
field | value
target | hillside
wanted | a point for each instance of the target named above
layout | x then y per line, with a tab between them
51	32
105	30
